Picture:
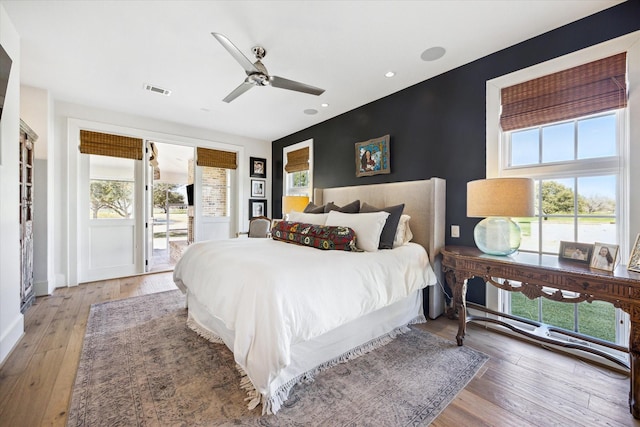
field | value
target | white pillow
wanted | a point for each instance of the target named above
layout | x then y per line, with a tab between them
403	232
309	218
368	227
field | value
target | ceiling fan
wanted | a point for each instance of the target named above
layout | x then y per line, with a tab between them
257	74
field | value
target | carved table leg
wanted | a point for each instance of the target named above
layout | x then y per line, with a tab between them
634	355
459	288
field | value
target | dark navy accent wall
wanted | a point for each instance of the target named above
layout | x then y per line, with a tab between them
437	127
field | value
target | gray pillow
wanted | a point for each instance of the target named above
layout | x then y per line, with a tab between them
389	230
311	208
353	207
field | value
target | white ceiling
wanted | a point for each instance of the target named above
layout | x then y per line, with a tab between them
101	53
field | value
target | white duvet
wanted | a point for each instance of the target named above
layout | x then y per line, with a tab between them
273	294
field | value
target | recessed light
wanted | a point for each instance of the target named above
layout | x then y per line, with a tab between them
325	105
433	53
390	74
311	111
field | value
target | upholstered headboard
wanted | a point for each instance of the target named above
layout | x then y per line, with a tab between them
424	201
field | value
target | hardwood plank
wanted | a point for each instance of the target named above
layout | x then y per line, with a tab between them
56	411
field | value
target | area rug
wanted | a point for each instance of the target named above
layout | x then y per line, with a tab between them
141	366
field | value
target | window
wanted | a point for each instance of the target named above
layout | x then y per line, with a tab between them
298	169
111	188
576	171
583	181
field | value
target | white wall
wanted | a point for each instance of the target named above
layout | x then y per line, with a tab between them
11	320
64	172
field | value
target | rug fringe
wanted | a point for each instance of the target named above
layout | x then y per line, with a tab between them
204	333
271	405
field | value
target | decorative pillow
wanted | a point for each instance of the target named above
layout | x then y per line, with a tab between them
317	236
353	207
309	218
367	226
389	230
312	208
403	233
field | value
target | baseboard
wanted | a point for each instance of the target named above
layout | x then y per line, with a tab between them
9	340
41	288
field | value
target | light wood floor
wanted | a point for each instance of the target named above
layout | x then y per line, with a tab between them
521	384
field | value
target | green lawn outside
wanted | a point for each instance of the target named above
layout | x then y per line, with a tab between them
596	319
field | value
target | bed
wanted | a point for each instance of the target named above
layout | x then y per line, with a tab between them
288	311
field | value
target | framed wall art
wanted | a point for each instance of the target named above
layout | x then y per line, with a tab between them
573	251
604	256
257	188
372	157
634	259
257	208
257	167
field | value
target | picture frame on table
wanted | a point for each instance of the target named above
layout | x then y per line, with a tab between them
257	208
574	251
257	167
634	258
258	188
372	157
604	256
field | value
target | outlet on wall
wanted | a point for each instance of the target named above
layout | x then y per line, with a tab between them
455	231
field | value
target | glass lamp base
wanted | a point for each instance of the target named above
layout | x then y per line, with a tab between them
497	236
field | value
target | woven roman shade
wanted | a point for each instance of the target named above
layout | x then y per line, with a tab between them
216	158
297	160
586	89
105	144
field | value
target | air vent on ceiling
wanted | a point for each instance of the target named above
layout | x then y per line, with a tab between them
157	89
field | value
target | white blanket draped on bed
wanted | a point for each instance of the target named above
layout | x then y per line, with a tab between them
273	294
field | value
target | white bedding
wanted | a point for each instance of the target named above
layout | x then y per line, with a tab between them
272	294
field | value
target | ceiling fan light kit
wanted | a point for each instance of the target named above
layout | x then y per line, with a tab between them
257	74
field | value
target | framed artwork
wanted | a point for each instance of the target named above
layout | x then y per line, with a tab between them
634	259
258	167
372	157
604	256
257	188
257	208
573	251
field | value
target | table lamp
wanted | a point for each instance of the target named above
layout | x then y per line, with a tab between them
497	200
293	203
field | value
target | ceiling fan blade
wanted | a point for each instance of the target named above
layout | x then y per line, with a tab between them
235	52
238	91
283	83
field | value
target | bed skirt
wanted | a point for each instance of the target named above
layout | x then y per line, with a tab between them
308	358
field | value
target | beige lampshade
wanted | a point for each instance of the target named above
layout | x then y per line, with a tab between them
504	197
294	203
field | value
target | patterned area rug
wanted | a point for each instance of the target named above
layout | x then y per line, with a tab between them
141	365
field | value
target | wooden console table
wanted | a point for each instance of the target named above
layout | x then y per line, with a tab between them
547	276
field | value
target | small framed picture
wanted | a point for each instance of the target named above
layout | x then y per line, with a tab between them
574	251
257	167
257	208
634	259
257	188
604	256
372	157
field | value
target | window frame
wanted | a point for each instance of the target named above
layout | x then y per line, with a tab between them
628	210
286	175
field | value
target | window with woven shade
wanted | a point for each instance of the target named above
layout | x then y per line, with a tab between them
563	130
298	169
579	91
105	144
